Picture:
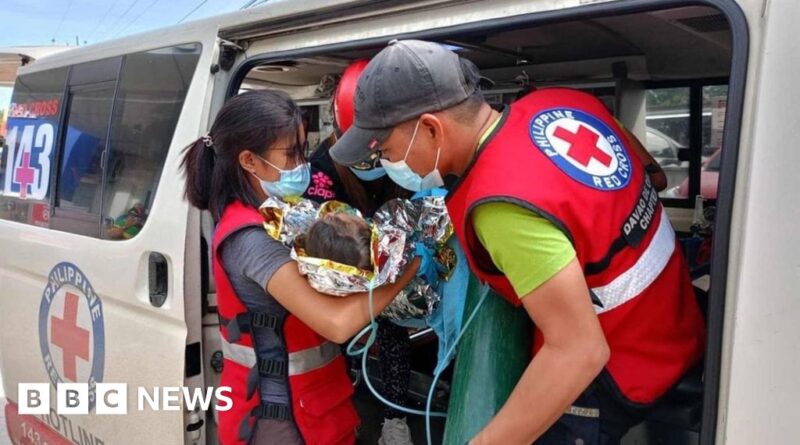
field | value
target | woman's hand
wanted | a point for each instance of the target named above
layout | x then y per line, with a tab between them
335	318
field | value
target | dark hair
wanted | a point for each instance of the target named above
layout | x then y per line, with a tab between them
341	238
354	189
466	110
250	121
366	196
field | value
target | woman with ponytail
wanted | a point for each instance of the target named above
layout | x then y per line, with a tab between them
288	380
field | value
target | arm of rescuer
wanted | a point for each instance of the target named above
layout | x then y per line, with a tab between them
336	318
651	166
540	262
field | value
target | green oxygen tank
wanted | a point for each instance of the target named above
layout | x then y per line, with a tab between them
492	355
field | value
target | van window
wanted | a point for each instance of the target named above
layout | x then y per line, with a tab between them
149	99
714	105
117	126
80	173
668	131
680	152
29	146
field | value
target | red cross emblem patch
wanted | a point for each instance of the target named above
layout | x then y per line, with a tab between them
583	147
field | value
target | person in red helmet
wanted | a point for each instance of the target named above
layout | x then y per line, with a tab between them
344	97
365	186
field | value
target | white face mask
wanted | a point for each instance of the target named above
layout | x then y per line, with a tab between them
401	173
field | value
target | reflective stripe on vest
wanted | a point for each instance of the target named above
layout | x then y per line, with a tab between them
641	275
243	355
300	362
307	360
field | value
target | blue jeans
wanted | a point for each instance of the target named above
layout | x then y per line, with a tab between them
596	418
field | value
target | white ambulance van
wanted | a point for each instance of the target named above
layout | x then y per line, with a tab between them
104	267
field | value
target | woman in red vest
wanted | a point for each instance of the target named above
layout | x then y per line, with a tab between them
288	380
555	212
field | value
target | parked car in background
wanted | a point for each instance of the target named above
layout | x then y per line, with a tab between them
709	178
663	148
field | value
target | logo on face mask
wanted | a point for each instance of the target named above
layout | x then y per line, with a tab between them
583	147
322	186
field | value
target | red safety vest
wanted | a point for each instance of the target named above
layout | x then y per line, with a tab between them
561	154
314	368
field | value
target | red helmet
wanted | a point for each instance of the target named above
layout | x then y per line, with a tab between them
344	96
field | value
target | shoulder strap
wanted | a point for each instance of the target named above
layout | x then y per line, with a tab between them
236	216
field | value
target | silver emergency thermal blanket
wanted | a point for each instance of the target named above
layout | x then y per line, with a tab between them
398	227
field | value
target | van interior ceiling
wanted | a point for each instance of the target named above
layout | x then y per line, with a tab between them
645	67
663	74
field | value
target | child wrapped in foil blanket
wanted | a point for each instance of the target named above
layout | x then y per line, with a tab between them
342	253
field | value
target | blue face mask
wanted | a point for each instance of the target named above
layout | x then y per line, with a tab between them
369	175
293	182
402	174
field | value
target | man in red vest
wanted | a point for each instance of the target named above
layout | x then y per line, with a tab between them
558	215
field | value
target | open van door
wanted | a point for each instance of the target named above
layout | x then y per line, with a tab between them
94	232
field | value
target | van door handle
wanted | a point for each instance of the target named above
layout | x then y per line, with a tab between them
158	277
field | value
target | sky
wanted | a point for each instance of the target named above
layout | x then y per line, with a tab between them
39	22
48	22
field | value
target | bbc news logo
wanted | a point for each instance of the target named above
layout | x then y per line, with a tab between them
112	398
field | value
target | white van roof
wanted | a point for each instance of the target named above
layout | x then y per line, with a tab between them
11	58
268	18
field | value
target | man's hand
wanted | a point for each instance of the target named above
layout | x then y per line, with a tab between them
573	354
411	271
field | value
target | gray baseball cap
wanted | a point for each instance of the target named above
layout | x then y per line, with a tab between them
405	80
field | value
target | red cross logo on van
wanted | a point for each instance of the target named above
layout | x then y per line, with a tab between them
24	175
71	338
583	146
71	322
